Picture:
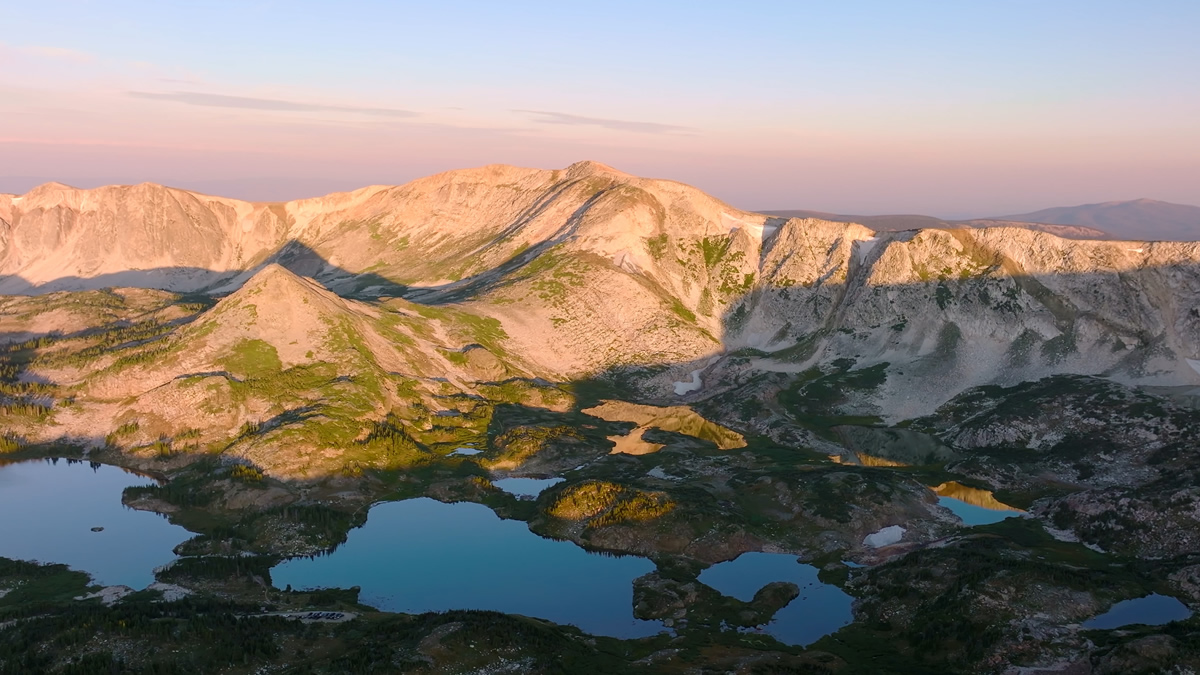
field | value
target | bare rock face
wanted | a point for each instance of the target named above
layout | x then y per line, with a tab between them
589	270
61	238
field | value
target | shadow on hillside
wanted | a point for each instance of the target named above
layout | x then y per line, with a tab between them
294	256
801	322
297	258
824	365
302	260
845	327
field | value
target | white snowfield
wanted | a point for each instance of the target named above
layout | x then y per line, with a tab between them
691	385
885	537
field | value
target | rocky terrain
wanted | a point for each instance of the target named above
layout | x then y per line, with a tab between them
1066	228
707	381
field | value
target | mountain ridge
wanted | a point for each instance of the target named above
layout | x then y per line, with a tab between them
588	270
900	222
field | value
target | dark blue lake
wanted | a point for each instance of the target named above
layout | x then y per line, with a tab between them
422	555
1151	610
50	509
820	610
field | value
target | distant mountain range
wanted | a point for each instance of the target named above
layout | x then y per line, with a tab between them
1136	219
899	222
1139	219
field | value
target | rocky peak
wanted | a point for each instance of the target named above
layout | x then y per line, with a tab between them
588	168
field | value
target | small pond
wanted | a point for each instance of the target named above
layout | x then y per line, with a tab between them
421	555
973	506
971	514
51	507
525	487
820	610
1152	610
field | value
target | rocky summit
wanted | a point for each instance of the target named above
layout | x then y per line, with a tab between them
703	381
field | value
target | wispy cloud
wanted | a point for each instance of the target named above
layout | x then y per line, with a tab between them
249	103
547	117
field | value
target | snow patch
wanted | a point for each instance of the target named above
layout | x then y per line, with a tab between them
1194	364
682	388
108	595
732	222
756	230
864	247
170	592
885	537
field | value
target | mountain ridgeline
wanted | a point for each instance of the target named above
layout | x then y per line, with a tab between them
589	269
1137	219
1149	218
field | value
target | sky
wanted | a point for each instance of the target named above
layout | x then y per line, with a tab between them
953	109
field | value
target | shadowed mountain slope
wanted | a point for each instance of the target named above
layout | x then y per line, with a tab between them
567	274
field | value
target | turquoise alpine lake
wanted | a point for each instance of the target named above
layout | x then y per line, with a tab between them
971	514
70	512
820	610
421	555
1151	610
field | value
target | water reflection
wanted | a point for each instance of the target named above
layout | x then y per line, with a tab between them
820	610
1152	610
859	459
70	512
421	555
972	505
872	446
